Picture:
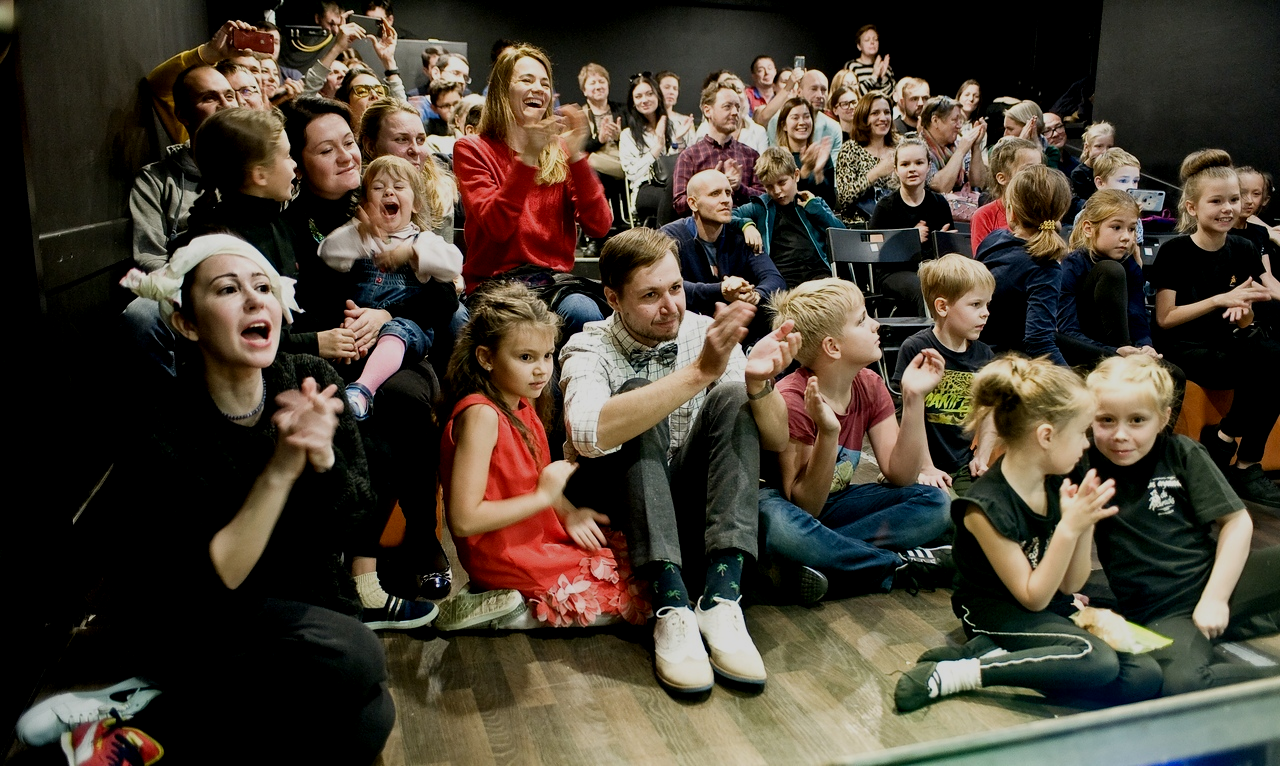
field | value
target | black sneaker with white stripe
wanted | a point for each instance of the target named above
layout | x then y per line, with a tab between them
399	614
925	569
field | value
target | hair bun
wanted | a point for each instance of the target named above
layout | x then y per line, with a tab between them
1198	162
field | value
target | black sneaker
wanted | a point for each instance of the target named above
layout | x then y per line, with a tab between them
925	569
917	687
1219	451
810	586
400	614
977	647
1252	485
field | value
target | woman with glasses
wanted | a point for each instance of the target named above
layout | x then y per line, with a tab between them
360	88
527	184
956	163
841	104
864	164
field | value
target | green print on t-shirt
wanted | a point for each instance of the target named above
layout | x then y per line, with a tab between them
949	403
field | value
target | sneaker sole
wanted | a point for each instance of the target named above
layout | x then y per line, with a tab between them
683	689
426	619
482	621
813	586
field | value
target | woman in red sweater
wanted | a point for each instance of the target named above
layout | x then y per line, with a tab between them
526	183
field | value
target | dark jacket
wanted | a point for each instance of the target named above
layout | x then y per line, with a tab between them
1024	309
815	214
1075	268
733	258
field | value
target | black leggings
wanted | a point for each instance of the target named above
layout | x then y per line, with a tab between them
1188	663
1049	652
1244	363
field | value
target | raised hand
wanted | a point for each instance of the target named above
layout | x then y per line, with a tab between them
659	147
1086	504
219	46
575	129
305	423
818	410
924	231
732	170
727	330
385	46
773	353
1031	131
820	159
924	373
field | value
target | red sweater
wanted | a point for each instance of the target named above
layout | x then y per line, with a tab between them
986	219
513	221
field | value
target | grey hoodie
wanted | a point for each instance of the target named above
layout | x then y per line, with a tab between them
161	198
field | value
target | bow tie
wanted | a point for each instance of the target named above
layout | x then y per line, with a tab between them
665	354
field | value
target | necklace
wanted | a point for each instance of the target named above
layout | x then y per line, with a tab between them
255	412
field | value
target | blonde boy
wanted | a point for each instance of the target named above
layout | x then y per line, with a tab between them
860	536
1116	169
956	290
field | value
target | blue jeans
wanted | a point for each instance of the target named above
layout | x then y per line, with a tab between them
577	310
854	538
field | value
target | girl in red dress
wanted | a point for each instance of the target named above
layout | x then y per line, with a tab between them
510	520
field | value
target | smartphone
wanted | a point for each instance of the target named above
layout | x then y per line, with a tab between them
798	62
370	24
253	40
1149	200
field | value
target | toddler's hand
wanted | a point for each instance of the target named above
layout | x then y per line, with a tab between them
1086	504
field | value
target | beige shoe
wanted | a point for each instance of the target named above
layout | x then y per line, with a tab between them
467	611
733	655
679	659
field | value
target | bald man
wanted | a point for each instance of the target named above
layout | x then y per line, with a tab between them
812	88
717	264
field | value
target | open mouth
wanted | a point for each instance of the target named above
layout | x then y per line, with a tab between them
258	332
391	209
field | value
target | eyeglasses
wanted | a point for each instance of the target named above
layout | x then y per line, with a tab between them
364	91
248	90
846	104
1054	130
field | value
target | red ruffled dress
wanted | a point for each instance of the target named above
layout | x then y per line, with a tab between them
536	556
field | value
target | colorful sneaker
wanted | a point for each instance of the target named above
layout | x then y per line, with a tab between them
435	585
399	614
107	743
925	568
733	654
360	400
1252	485
478	610
57	715
679	658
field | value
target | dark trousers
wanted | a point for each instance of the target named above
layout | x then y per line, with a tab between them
1244	363
1102	309
1049	652
298	683
702	500
904	288
1189	663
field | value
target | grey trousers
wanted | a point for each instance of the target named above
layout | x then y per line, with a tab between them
703	500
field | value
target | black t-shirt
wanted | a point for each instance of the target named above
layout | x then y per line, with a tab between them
1259	237
1195	274
1012	518
893	212
792	251
1157	551
947	406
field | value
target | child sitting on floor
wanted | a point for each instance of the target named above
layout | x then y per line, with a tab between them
811	513
391	253
510	520
957	290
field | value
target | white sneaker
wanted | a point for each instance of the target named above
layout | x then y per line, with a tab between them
733	654
679	659
46	721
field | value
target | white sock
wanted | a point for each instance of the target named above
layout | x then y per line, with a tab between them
370	589
958	676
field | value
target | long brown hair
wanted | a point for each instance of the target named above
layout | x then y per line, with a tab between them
1036	199
862	120
498	116
441	188
496	312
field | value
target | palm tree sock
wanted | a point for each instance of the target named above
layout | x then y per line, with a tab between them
724	575
668	586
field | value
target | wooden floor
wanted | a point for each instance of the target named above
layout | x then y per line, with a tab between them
580	697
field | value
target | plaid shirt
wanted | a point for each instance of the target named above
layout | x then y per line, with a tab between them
597	361
705	155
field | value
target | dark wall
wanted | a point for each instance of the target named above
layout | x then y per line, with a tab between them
1191	76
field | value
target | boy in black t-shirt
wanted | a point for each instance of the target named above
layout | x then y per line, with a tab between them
956	290
789	225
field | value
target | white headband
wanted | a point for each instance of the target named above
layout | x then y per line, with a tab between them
165	285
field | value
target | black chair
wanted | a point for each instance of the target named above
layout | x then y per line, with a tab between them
854	247
952	242
1147	252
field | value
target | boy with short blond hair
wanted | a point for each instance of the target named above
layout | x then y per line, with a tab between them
956	290
788	224
1116	169
862	537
